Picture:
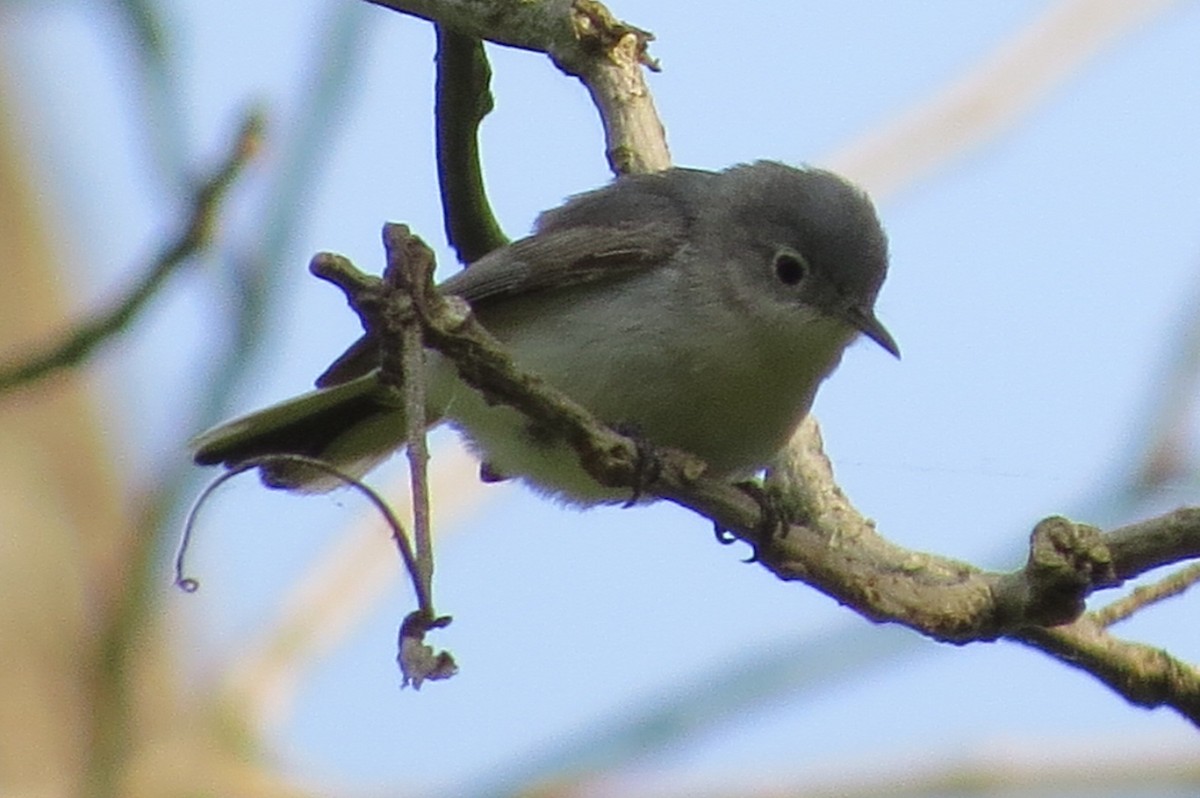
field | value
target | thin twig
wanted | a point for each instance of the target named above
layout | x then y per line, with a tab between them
346	581
161	105
1142	597
1165	444
418	661
190	585
196	235
1098	763
385	309
418	450
158	73
411	368
257	264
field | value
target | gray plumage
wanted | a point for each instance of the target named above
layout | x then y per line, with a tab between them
702	309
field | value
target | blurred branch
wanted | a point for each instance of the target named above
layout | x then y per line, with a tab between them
195	236
121	630
273	228
1079	766
149	30
58	478
91	701
160	101
463	100
991	97
1164	457
259	263
694	705
125	627
584	40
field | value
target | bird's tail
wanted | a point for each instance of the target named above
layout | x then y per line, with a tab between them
352	427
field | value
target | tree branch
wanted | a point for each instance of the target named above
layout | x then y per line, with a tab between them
1143	675
584	40
828	544
463	100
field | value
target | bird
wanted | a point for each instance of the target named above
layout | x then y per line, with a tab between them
700	309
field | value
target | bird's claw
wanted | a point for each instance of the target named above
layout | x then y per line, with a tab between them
773	521
646	468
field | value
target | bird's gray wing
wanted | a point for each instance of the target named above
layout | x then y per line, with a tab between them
564	258
635	223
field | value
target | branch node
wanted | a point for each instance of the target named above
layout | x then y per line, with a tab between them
1067	561
599	32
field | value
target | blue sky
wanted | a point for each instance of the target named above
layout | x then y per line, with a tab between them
1038	286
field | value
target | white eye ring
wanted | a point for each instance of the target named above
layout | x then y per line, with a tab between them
790	267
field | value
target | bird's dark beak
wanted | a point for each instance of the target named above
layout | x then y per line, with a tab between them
873	328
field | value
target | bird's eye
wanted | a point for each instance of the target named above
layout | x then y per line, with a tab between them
790	267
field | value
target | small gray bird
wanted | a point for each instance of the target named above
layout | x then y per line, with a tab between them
700	309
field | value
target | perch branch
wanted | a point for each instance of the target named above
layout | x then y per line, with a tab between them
584	40
829	545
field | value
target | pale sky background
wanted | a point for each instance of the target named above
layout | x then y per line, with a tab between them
1037	288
